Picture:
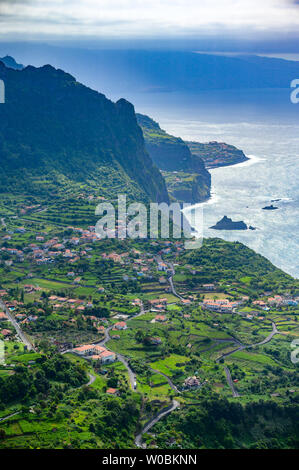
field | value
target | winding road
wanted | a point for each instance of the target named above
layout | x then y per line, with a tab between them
132	376
153	421
10	416
242	348
230	382
23	337
121	357
91	379
170	280
171	384
249	346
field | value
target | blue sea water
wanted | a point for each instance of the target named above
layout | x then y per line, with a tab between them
265	125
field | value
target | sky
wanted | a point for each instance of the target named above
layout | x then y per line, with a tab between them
141	19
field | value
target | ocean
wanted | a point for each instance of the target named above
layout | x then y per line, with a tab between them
265	125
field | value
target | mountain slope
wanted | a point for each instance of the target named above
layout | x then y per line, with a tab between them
11	63
171	154
55	132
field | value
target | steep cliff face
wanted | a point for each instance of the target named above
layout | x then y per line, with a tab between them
54	128
171	154
168	152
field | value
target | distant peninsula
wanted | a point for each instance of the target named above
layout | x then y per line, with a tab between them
217	154
185	165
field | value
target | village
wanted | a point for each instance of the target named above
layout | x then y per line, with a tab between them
86	298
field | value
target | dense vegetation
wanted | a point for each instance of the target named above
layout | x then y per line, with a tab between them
219	424
66	288
55	132
220	260
171	154
26	383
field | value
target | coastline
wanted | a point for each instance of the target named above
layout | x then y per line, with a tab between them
214	198
251	160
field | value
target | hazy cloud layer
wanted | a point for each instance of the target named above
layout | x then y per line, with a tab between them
157	18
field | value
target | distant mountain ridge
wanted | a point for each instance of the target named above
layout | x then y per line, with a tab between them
168	71
119	71
55	132
11	63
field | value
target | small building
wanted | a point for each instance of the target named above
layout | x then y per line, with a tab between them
121	325
160	318
96	352
3	316
112	391
6	332
156	341
192	382
209	287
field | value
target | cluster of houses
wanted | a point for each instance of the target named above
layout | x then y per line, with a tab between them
5	332
77	246
57	303
96	353
158	305
276	301
45	251
228	306
221	305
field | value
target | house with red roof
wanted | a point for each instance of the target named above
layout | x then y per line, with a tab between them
121	325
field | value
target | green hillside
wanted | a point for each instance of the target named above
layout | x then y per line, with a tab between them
55	133
172	155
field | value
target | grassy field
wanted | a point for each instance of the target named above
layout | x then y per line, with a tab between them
170	364
253	357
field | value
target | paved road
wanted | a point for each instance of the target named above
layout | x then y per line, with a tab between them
23	337
159	259
10	416
91	379
268	339
170	280
120	357
230	382
249	346
158	417
132	376
242	347
107	331
172	385
106	337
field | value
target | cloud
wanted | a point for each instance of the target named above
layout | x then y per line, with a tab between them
157	18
